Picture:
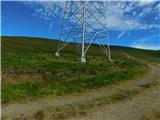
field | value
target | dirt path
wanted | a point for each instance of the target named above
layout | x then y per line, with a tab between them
145	106
32	107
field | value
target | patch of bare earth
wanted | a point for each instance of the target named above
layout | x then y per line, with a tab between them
145	105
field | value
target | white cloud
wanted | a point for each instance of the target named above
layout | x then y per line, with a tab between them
148	47
115	11
147	43
121	34
46	9
145	2
158	9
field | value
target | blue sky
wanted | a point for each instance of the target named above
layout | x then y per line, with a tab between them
131	23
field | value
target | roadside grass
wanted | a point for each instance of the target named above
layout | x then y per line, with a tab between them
60	85
50	75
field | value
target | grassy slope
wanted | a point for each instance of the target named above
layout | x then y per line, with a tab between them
30	69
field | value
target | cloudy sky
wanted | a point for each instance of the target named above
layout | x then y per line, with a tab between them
130	23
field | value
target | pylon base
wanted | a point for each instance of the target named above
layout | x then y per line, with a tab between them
57	54
83	60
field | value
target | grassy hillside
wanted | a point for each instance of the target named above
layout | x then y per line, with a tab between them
30	70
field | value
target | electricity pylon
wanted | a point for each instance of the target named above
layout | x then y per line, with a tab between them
84	22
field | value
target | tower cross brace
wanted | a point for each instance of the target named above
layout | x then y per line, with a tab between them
84	22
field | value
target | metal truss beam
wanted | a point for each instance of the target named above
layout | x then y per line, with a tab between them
85	21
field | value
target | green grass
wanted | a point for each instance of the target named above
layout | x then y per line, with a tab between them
50	75
27	90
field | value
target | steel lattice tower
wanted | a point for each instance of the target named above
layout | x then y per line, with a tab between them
84	22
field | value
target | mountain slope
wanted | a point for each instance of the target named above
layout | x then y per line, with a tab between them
49	87
30	70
